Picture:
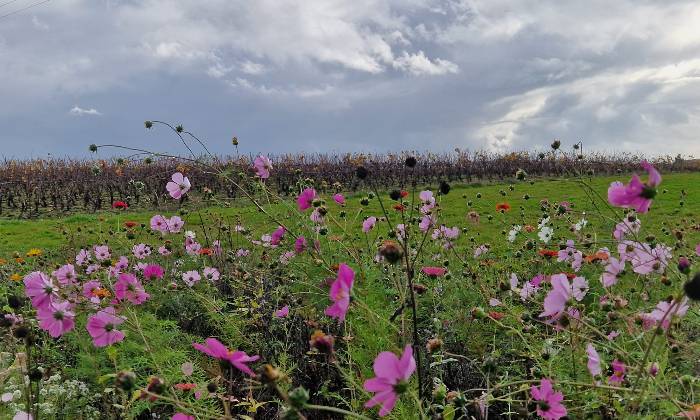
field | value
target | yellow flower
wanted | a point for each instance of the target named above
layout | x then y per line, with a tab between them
3	261
34	252
15	277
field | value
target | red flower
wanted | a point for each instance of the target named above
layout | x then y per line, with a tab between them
404	193
185	387
130	224
433	271
206	251
399	207
548	253
496	315
502	207
121	205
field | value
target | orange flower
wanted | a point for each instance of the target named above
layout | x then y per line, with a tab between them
34	252
598	256
206	251
15	277
399	207
100	292
529	228
502	207
496	315
548	253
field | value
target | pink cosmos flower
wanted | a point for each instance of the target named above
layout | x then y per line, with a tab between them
211	274
277	236
339	199
262	166
618	375
102	327
316	216
83	257
340	293
481	250
141	251
191	277
664	313
562	292
300	245
129	288
433	271
593	360
89	289
164	251
213	347
182	416
40	289
426	222
626	227
368	224
391	379
306	198
612	272
153	272
179	185
102	252
175	224
636	194
549	405
283	312
66	274
159	223
56	318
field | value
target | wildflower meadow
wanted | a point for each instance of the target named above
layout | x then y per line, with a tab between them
215	293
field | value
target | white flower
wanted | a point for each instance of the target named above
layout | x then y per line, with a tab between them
580	224
514	232
543	222
545	234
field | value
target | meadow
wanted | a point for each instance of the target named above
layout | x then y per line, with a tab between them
526	296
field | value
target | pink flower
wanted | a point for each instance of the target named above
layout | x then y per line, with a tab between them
339	199
102	252
211	274
618	375
549	405
191	277
175	224
89	289
612	272
277	236
164	251
182	416
128	287
283	312
306	198
635	195
56	318
141	251
101	327
340	293
368	224
426	222
83	257
391	379
179	185
562	291
213	347
66	274
40	289
159	223
593	360
433	271
153	272
665	311
300	245
262	166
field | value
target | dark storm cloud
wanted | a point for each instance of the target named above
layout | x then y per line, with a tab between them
331	75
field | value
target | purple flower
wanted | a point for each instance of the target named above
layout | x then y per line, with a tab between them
340	293
179	185
306	198
391	379
262	166
549	405
339	199
40	289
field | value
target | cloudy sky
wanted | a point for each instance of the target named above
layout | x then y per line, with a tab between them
361	75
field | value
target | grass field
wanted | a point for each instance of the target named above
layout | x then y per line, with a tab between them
476	353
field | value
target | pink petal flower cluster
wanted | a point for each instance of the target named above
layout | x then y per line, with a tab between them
391	379
102	327
153	272
636	195
306	198
213	347
162	224
340	292
664	313
57	318
262	166
613	270
556	301
129	288
368	224
618	375
593	360
549	405
178	186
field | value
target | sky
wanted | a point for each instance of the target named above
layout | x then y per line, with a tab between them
338	76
